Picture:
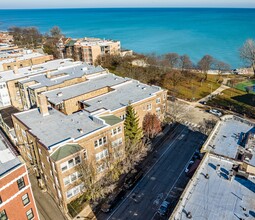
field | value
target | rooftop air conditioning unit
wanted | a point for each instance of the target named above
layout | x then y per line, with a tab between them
247	159
59	94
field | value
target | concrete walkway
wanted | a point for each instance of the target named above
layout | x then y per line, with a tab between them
46	206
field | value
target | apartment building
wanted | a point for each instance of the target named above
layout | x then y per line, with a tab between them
234	138
216	191
4	47
81	122
16	196
24	59
89	49
9	86
5	37
6	122
30	87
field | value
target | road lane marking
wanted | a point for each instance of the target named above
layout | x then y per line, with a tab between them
167	149
175	182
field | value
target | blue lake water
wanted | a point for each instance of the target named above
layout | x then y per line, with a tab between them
196	32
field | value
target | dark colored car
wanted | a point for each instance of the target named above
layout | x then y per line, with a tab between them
163	208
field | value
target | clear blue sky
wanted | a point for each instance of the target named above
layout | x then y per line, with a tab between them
19	4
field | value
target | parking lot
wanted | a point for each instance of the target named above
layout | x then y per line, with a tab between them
164	180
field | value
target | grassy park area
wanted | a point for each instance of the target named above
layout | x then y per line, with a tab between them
235	100
243	86
193	89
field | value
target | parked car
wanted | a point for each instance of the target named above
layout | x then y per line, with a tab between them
215	112
163	208
203	102
196	155
189	165
113	200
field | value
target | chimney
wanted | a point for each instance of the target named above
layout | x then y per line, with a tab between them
43	105
15	69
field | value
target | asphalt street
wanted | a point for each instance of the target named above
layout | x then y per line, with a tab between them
161	179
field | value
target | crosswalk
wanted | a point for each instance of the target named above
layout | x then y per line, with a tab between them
190	124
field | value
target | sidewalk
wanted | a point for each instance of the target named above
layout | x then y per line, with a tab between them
46	206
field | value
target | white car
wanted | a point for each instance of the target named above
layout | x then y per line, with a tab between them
215	112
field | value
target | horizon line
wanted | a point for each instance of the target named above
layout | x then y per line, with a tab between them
136	7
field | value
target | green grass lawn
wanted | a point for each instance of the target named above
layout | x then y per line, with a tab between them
193	89
235	100
242	86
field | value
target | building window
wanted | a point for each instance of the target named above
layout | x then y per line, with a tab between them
66	181
123	117
116	131
100	142
117	142
3	215
63	167
85	154
148	107
30	214
74	191
158	111
25	199
21	183
70	163
158	100
101	155
77	160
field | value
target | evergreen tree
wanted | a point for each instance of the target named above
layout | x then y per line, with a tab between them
133	132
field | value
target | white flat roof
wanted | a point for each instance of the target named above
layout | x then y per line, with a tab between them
230	137
21	57
35	69
217	198
8	160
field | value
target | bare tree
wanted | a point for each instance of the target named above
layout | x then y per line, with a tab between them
173	59
174	77
247	53
55	32
220	67
151	125
205	64
185	63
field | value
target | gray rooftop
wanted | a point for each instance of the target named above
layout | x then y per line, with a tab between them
8	160
35	69
57	77
58	127
230	137
130	91
217	197
21	57
93	83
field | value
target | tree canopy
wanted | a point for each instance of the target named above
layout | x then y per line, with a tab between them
247	53
132	130
151	125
